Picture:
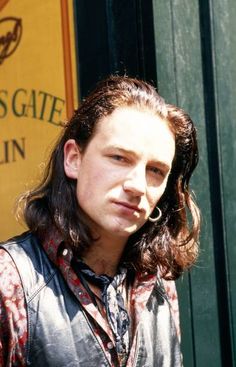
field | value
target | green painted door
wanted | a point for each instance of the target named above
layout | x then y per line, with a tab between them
195	58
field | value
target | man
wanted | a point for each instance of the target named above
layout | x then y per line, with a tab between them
91	283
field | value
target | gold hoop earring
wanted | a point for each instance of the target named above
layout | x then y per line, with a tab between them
153	220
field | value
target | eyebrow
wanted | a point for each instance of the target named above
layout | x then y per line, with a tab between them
164	165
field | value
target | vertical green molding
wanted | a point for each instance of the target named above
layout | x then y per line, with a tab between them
180	80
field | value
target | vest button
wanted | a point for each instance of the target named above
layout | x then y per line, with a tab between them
110	345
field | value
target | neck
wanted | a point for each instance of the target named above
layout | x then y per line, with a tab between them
103	257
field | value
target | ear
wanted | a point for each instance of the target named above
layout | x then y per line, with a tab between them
72	159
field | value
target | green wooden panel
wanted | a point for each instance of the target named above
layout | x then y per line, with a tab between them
186	320
223	16
114	37
180	80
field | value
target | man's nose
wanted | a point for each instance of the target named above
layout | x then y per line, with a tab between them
135	182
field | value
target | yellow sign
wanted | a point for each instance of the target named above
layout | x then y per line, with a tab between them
37	93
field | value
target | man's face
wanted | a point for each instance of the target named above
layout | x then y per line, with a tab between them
123	172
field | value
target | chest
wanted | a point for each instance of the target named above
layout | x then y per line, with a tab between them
61	333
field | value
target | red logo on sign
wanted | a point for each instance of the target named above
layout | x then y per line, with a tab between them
10	36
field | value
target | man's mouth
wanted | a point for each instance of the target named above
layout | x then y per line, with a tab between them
129	206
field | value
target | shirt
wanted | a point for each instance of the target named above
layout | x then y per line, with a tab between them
13	313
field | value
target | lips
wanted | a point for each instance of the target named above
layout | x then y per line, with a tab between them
129	206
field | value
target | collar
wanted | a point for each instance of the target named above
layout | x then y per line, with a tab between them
56	248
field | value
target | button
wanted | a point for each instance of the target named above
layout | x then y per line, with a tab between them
110	345
65	252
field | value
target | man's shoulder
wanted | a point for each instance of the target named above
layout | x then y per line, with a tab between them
25	253
10	280
19	252
26	242
18	239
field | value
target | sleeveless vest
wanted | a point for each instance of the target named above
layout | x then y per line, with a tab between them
59	332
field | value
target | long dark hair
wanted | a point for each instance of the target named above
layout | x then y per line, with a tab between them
172	243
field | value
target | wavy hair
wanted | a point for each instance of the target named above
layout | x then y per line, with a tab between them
171	243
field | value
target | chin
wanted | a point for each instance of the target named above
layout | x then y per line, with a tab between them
124	232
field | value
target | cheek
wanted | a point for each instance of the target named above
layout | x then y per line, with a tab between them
156	194
83	195
89	185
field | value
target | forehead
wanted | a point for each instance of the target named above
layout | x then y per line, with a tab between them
136	130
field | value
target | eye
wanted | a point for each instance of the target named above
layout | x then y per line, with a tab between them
156	171
118	157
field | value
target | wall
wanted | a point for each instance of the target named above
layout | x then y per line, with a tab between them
36	94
